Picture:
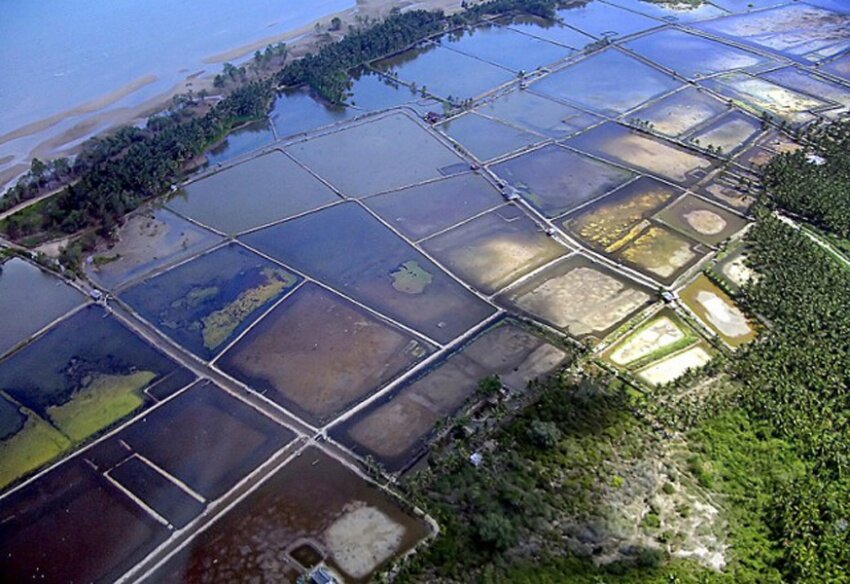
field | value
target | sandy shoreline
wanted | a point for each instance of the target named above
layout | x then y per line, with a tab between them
69	141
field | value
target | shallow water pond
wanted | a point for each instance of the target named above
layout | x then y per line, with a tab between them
353	252
555	180
253	193
486	138
298	111
608	82
538	114
205	303
380	155
605	20
247	138
423	210
30	299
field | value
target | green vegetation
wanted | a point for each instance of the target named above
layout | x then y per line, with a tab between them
411	278
37	443
817	187
103	401
219	325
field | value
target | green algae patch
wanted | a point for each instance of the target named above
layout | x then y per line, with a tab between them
411	278
104	400
34	445
219	325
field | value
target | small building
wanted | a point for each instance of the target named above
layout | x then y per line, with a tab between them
321	575
476	459
433	117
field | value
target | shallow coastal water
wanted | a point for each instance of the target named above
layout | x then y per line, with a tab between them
60	55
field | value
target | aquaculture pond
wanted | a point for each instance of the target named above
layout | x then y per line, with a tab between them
205	438
297	111
527	110
30	299
445	73
693	56
372	91
505	47
806	82
578	296
148	240
660	335
555	180
702	220
422	210
611	222
659	253
761	96
241	141
486	138
681	112
643	152
253	193
315	501
347	248
317	354
717	311
73	525
605	20
397	151
205	303
395	429
728	134
683	12
625	84
798	31
78	378
549	30
494	249
674	366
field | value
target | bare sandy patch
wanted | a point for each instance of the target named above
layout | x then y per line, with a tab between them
727	318
673	367
362	539
705	221
661	333
582	301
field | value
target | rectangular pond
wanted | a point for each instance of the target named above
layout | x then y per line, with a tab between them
611	222
313	507
605	20
349	249
249	137
702	220
578	296
555	180
383	154
680	112
692	56
549	30
30	299
658	336
253	193
318	354
77	379
494	249
422	210
609	82
643	152
72	525
505	47
204	437
718	312
525	109
208	301
148	240
729	133
445	73
486	138
396	429
297	111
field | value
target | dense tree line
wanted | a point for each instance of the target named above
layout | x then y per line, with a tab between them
797	379
815	183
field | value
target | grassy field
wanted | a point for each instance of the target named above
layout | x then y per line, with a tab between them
34	445
106	399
